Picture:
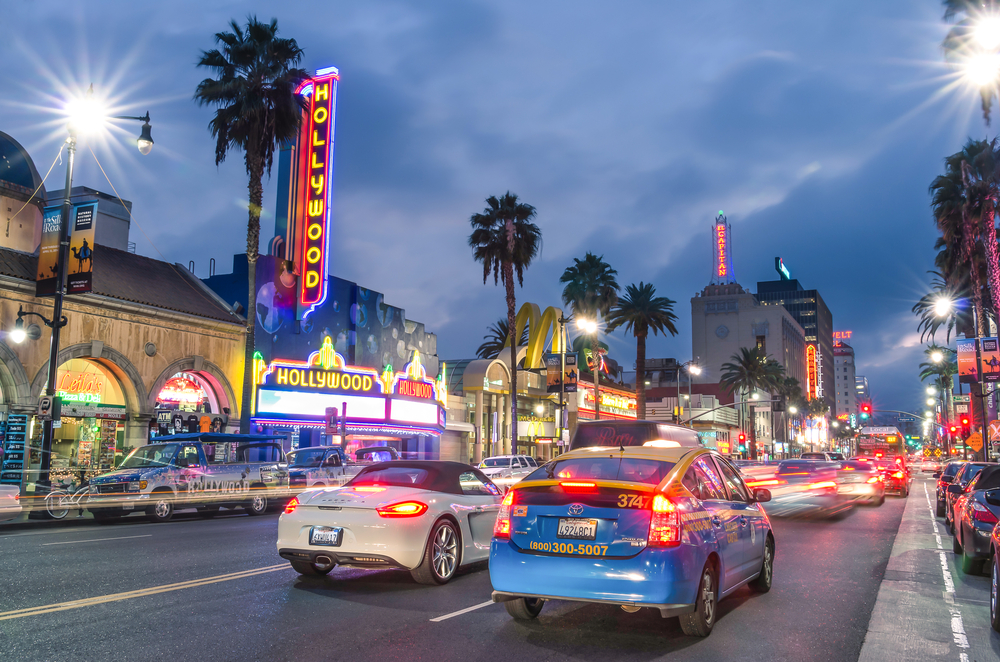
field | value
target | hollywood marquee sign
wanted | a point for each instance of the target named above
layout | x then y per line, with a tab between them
288	392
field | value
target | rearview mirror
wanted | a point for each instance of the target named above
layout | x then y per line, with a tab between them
760	495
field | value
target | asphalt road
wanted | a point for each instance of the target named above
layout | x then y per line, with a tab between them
167	591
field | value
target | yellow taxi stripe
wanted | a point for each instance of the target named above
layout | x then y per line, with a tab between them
140	593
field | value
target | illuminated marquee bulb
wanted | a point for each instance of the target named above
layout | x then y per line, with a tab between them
327	354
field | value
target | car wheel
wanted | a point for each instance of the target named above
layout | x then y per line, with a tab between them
762	584
441	555
970	565
699	623
257	505
940	509
994	578
311	569
162	508
956	546
524	609
881	500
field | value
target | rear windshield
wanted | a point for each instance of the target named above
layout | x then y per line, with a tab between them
972	471
837	456
813	456
791	468
952	468
401	476
628	434
650	472
856	465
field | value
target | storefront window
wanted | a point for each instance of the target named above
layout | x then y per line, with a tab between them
188	403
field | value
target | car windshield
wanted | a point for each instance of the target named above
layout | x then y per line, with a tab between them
307	458
494	462
158	455
650	472
400	476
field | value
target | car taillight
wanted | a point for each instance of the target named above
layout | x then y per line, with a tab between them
664	523
501	529
874	479
898	474
981	513
578	486
823	485
762	483
291	505
402	509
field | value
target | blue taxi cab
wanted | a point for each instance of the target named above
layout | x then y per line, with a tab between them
659	525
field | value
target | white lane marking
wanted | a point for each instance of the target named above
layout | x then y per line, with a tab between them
141	593
73	542
461	611
957	624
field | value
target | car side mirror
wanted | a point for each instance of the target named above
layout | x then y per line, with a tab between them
761	495
936	474
955	489
947	479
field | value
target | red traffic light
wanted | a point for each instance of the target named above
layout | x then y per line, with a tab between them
866	408
953	429
965	420
743	437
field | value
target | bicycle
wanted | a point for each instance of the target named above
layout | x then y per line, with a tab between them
58	503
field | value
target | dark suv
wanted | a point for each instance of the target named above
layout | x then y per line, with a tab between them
944	478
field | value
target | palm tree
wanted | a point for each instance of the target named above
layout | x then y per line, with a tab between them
256	110
941	373
506	241
791	390
591	292
640	311
960	44
497	336
748	371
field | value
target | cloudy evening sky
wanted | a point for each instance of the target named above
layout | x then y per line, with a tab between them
816	127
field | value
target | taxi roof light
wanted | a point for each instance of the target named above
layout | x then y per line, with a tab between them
662	443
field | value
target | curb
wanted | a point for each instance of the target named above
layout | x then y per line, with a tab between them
22	522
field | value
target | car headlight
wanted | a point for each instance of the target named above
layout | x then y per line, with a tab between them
93	489
133	486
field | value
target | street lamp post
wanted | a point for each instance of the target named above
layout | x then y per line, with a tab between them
83	112
590	326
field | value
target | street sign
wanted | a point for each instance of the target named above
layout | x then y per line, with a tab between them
927	452
937	452
975	441
961	408
905	419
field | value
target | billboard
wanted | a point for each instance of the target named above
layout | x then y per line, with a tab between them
80	269
314	171
48	253
989	355
968	370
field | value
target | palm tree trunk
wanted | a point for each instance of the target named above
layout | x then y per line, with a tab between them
256	189
640	375
508	280
753	433
989	238
595	352
968	252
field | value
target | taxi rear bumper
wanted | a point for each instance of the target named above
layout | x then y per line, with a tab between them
665	579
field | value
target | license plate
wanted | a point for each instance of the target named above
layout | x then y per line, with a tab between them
325	535
128	505
579	529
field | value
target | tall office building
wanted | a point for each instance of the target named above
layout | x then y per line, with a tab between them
861	388
813	315
844	379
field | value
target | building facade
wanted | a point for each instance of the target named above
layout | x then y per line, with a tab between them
861	391
813	315
845	381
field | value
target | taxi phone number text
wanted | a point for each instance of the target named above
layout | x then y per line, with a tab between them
570	548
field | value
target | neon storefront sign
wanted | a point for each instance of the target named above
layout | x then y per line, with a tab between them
76	386
721	242
812	372
315	168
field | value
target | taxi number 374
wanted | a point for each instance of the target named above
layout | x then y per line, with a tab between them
632	501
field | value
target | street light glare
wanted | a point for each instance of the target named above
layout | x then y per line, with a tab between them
987	32
694	370
937	357
586	325
87	115
930	401
18	335
931	390
793	410
982	69
942	306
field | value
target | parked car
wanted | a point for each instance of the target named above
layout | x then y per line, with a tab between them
944	478
966	473
505	470
977	512
203	470
319	466
10	502
428	517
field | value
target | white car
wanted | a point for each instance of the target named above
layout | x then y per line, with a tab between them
10	502
428	517
505	470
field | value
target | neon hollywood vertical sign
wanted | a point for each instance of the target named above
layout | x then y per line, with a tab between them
315	171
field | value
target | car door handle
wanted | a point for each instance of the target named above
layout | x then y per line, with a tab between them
716	521
743	521
480	509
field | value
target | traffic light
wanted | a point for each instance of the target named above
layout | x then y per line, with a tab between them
866	410
966	422
953	429
743	442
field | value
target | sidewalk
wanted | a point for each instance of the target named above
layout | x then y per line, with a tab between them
22	522
927	608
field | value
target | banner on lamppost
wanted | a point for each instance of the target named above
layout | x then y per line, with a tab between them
968	371
80	269
989	359
48	253
555	378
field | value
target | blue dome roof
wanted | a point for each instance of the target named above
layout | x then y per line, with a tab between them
16	166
